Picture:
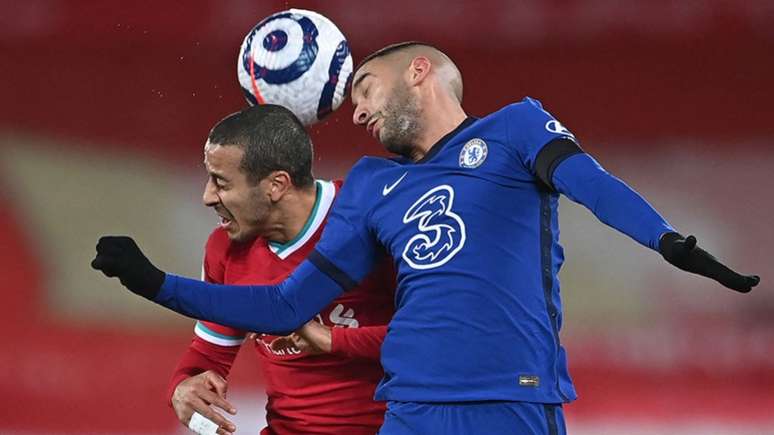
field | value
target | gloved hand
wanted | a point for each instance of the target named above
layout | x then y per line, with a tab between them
683	253
119	256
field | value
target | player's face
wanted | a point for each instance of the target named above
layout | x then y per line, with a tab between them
385	106
243	207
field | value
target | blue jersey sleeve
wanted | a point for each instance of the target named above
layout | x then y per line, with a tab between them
529	128
583	180
348	250
272	309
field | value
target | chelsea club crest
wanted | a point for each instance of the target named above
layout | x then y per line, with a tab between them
473	153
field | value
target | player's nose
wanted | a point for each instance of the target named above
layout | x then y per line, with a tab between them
210	197
360	115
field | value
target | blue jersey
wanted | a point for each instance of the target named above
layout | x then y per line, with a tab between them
476	241
473	231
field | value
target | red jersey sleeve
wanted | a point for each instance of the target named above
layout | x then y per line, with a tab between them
200	357
213	270
214	347
364	342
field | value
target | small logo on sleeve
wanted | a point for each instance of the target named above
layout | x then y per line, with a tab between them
473	153
529	381
555	126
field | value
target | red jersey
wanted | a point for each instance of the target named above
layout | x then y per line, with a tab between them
310	394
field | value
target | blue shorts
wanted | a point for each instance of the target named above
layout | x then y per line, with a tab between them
471	418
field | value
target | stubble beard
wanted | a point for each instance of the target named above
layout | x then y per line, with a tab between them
401	124
254	223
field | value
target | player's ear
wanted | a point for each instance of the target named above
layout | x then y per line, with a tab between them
419	69
279	183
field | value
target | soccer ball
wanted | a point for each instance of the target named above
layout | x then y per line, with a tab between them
298	59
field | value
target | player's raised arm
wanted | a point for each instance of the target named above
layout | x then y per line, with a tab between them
554	156
563	166
345	254
275	309
583	180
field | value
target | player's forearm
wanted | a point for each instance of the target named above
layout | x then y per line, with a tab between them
201	357
583	180
274	309
364	342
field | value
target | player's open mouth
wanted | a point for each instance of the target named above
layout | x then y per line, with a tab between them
224	221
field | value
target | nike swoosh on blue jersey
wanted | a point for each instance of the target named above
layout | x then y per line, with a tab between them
387	189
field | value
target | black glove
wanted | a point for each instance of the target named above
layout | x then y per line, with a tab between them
119	256
683	253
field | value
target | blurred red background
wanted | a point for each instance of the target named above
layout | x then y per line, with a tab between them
106	106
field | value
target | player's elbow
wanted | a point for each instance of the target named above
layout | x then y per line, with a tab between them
288	315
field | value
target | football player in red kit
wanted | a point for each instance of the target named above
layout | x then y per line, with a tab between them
320	380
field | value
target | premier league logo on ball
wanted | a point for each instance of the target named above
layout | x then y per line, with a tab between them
298	59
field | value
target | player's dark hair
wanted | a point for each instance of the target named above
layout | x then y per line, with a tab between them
272	138
393	48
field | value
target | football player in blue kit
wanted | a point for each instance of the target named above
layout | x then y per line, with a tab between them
468	212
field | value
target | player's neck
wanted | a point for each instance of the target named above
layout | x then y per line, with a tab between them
293	213
437	124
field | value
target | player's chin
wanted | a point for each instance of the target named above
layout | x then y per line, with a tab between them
237	233
234	234
399	148
389	144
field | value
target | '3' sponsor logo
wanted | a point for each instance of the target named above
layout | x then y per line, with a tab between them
441	231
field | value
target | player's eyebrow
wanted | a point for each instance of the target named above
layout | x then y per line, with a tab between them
212	173
360	79
217	176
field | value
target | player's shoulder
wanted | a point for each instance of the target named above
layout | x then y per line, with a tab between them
359	189
365	169
520	108
219	244
215	255
218	240
527	115
370	163
499	126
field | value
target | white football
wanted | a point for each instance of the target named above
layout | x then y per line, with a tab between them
298	59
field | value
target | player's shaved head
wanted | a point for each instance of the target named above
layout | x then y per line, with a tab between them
401	54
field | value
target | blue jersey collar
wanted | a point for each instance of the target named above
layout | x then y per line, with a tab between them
438	146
